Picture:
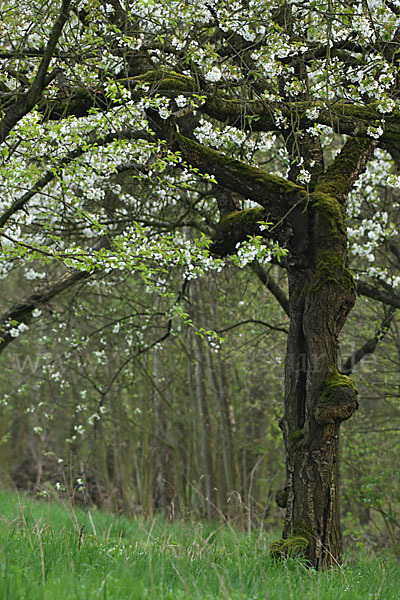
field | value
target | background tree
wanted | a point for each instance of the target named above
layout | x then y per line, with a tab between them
137	131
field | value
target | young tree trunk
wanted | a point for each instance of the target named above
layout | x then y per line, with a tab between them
165	476
205	428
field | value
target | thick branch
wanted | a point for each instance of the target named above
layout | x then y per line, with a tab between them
395	9
25	52
386	295
31	97
346	168
394	249
275	194
236	227
331	192
227	200
343	117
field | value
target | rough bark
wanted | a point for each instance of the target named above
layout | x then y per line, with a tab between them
317	397
321	294
317	400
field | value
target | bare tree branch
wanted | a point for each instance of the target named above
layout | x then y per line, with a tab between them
257	322
370	345
21	312
271	285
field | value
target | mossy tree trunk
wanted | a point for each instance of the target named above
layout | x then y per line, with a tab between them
317	397
317	400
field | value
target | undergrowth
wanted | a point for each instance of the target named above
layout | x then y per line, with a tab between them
54	551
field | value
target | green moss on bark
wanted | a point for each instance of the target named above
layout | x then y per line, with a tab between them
168	80
235	227
334	381
331	270
243	217
295	545
213	160
338	179
338	399
296	437
330	213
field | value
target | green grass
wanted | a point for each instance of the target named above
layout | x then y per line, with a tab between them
51	551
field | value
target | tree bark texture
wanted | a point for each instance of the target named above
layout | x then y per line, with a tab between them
317	400
317	397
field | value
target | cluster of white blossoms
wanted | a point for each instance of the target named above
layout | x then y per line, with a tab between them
181	101
368	236
375	132
313	112
304	176
207	133
18	329
214	74
231	139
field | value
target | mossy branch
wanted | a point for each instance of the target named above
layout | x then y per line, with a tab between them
345	169
276	194
251	115
165	80
235	227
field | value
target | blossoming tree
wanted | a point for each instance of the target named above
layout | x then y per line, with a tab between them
263	124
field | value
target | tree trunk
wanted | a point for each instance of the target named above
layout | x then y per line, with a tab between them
205	428
317	397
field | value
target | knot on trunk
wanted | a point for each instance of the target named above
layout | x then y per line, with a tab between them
338	400
281	497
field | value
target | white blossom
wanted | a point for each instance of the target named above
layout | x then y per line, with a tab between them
375	132
214	74
181	101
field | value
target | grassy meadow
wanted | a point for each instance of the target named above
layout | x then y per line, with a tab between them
54	551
